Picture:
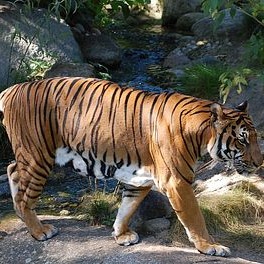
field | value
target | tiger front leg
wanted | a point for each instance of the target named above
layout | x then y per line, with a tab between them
131	199
184	203
25	192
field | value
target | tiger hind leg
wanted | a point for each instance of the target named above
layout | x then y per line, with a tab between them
25	193
131	199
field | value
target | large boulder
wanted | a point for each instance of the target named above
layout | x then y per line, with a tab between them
236	28
154	9
176	58
254	94
173	9
71	69
102	49
28	37
186	21
155	205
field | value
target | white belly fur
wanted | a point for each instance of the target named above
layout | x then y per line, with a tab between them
132	174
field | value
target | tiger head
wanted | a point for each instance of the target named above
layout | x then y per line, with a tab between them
234	138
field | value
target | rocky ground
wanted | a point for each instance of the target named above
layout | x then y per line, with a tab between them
78	242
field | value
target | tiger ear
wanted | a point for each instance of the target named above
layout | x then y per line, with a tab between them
216	112
243	107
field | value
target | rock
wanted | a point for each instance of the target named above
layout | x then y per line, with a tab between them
186	21
219	184
154	9
71	69
176	58
208	60
254	94
32	35
101	49
3	178
155	205
236	28
179	73
4	189
156	225
173	9
64	212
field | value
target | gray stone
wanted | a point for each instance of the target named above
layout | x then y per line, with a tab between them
3	178
71	69
173	9
4	189
156	225
154	9
101	49
186	21
208	60
254	94
236	28
176	58
179	73
34	35
155	205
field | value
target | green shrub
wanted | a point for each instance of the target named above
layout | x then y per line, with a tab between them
202	80
99	208
100	8
252	8
254	53
233	79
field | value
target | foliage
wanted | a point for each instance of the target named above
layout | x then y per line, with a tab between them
202	80
252	8
99	208
213	81
255	49
233	79
100	8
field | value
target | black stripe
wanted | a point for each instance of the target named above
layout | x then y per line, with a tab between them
104	156
120	164
103	167
201	112
188	181
74	97
128	159
111	103
46	98
52	131
183	137
176	105
125	107
151	111
141	116
91	97
71	83
59	92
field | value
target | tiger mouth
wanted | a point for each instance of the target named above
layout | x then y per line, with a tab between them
244	169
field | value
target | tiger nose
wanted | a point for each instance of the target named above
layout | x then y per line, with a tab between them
258	160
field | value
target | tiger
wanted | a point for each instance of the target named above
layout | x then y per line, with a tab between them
142	139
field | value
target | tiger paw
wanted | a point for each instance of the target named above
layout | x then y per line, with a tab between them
126	239
46	232
215	250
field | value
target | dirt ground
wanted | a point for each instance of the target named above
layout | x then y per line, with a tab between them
77	242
